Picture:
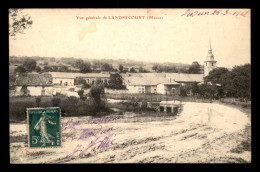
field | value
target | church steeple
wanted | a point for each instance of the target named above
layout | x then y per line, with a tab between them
209	63
210	54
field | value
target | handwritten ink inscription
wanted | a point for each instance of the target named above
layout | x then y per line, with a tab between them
96	137
224	12
93	145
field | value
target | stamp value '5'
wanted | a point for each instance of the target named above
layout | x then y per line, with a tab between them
44	127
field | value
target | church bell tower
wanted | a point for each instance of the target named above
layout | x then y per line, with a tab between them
209	63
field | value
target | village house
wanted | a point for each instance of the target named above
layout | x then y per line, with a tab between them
152	85
68	79
33	85
92	78
181	78
184	78
160	83
168	88
63	78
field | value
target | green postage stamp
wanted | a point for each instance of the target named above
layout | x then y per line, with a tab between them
44	127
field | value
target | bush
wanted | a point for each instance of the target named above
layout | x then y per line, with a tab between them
245	105
96	92
17	110
38	101
55	102
183	91
24	90
85	85
20	69
69	107
80	93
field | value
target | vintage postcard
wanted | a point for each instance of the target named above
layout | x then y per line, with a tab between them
129	86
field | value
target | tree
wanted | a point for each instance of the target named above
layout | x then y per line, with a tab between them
207	91
47	69
54	68
55	102
82	81
20	69
183	91
29	64
85	68
182	70
24	91
78	63
80	93
242	81
195	68
235	83
121	68
96	91
64	69
194	88
155	67
18	22
106	67
141	69
132	70
38	101
217	75
115	81
79	81
38	69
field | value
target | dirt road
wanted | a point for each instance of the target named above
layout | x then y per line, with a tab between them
201	133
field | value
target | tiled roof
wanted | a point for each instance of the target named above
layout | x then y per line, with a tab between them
64	75
95	75
184	77
178	77
34	80
170	83
75	75
145	81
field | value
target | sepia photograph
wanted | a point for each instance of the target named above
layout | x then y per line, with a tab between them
92	86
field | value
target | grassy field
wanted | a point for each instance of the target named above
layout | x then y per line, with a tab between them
18	105
32	98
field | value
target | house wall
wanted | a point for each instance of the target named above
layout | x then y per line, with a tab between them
170	87
34	90
135	88
17	91
167	89
154	89
70	81
90	80
160	89
140	89
115	91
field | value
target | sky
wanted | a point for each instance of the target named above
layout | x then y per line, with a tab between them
172	37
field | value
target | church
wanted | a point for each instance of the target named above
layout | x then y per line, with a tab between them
209	63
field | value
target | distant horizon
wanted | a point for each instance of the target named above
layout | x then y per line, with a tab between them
172	39
134	60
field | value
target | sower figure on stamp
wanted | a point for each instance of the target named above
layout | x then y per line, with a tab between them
41	125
